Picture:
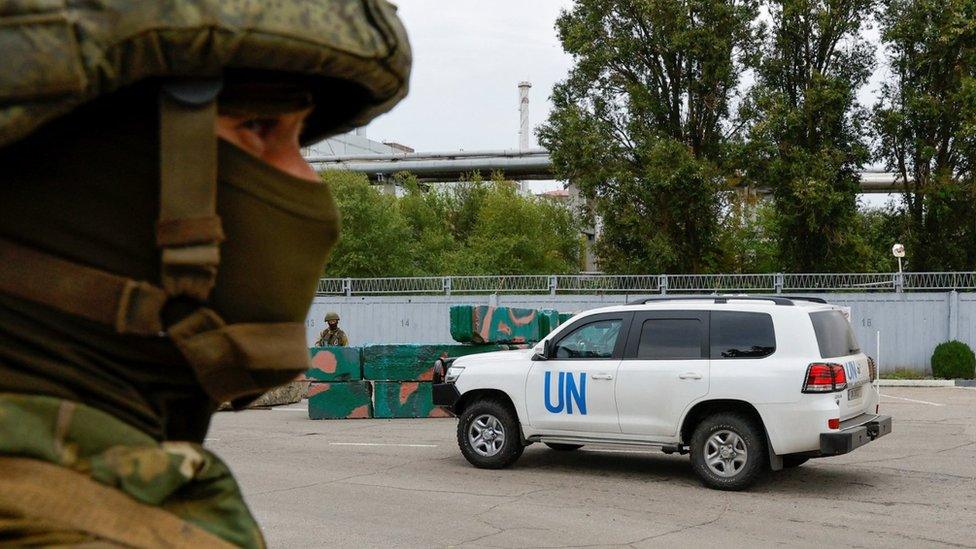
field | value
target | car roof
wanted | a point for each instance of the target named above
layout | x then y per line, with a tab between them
723	302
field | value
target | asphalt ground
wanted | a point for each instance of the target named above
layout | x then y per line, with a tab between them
403	483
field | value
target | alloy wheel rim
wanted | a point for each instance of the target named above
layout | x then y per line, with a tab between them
486	435
725	453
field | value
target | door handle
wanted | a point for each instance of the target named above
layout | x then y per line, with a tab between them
689	375
601	376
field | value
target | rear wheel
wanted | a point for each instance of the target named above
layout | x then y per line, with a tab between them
794	461
728	451
563	447
489	434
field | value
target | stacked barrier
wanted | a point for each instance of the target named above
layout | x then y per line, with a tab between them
395	381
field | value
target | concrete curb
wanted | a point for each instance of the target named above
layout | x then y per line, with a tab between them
927	383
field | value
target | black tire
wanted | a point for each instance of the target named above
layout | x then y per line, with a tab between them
747	435
790	462
486	455
563	447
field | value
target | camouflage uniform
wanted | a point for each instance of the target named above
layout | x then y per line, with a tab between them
117	336
332	338
180	478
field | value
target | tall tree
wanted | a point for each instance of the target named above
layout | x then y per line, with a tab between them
376	239
926	124
517	234
806	138
640	123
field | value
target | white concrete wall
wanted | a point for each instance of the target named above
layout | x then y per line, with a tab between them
911	324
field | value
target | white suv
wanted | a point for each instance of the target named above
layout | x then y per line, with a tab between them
740	382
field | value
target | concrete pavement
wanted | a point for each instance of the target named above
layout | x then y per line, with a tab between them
403	483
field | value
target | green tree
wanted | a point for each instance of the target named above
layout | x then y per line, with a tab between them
881	228
517	234
428	213
375	239
749	235
639	125
926	125
806	136
465	199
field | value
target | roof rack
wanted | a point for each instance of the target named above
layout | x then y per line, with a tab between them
778	300
804	298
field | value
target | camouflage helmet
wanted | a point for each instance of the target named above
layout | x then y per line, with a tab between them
331	315
60	55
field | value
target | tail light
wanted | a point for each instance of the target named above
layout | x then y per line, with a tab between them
872	369
825	377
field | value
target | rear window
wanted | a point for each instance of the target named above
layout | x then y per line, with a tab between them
670	339
834	334
741	335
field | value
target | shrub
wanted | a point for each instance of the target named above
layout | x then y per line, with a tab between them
953	359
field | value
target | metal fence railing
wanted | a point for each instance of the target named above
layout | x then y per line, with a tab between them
662	284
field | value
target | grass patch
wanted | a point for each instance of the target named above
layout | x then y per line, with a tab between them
904	373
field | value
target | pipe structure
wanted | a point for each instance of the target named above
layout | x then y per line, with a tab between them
531	164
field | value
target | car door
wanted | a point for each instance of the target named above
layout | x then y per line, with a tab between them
573	389
664	368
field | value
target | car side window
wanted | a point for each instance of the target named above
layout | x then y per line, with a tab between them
741	335
595	340
670	339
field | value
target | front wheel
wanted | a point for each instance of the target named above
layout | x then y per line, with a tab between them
489	435
728	451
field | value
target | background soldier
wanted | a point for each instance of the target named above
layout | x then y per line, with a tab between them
134	137
332	336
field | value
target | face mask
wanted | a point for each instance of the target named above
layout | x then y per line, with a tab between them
279	232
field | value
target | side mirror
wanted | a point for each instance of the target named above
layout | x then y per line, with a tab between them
544	355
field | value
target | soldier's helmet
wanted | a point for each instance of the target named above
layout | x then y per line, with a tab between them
331	315
352	60
60	55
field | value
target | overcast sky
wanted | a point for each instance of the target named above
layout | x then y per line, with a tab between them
468	60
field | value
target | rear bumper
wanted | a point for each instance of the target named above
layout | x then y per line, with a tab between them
863	430
445	394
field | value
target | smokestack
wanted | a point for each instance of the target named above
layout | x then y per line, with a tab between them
524	115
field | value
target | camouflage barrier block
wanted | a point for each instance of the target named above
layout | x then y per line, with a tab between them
485	324
461	323
563	317
412	362
340	400
335	364
548	321
393	399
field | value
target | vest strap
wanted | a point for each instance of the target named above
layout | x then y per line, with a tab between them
227	358
188	230
129	306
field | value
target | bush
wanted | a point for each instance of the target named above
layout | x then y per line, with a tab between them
953	359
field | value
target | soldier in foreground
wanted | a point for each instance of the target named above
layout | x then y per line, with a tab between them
332	336
160	242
